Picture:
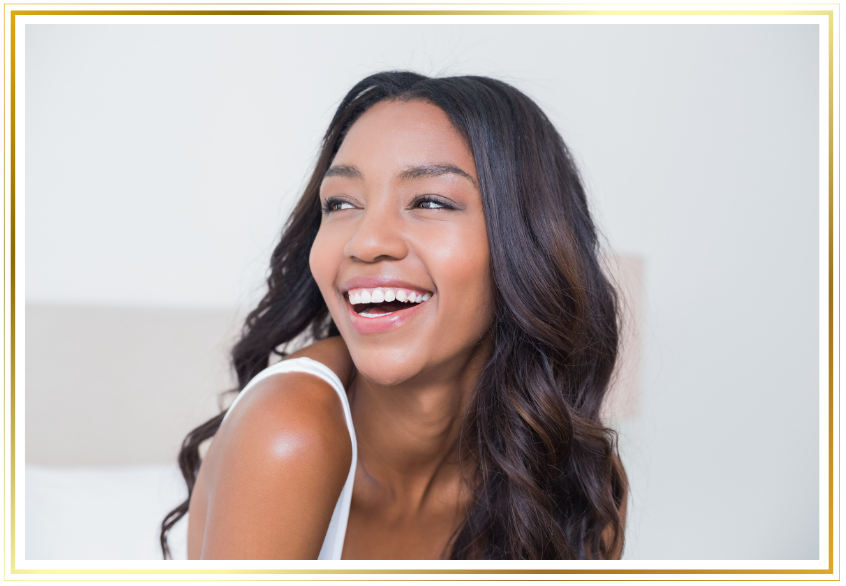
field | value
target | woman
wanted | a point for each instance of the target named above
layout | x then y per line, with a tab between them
444	259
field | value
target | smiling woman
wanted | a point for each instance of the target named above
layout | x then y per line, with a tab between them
444	261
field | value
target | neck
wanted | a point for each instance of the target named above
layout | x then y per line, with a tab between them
408	434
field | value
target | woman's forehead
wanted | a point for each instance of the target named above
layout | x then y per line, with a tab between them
394	136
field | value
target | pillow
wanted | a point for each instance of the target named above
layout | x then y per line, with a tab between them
102	512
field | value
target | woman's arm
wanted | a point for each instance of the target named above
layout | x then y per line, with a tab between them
278	465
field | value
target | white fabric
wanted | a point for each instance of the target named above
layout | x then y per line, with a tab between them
333	543
102	512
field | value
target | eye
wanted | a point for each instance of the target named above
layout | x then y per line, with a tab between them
334	204
429	202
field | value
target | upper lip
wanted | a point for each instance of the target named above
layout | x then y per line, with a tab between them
379	281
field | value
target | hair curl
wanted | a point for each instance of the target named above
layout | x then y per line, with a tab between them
549	483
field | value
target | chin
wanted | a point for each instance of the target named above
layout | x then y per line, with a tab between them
386	367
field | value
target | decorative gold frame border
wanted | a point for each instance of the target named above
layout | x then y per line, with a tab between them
464	12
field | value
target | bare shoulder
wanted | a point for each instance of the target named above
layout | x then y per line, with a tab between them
275	471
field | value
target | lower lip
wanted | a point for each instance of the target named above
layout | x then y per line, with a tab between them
390	321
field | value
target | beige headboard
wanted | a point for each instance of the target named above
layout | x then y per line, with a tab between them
121	385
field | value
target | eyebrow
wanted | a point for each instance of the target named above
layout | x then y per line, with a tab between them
348	171
433	171
415	172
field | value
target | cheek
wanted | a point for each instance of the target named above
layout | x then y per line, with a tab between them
323	264
467	283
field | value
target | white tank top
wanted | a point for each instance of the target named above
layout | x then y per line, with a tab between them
333	543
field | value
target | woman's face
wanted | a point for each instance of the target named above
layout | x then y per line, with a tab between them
402	256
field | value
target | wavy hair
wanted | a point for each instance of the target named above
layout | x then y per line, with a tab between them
549	483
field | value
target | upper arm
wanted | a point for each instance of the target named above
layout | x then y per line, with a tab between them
281	460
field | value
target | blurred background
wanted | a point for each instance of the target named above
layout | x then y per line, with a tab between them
163	161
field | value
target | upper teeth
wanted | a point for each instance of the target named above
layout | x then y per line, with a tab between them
380	294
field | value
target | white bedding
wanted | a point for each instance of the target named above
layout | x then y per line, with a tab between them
102	512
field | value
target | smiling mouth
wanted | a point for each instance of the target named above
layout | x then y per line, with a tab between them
383	301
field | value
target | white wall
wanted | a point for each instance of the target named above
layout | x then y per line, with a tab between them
162	161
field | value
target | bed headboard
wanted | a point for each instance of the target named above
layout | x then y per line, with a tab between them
121	385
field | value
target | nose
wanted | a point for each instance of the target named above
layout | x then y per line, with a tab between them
378	236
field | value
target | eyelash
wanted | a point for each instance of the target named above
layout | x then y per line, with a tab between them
328	208
327	205
430	199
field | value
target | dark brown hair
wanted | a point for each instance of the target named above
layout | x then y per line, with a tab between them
549	483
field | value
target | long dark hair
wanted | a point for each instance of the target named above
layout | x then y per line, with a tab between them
549	483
